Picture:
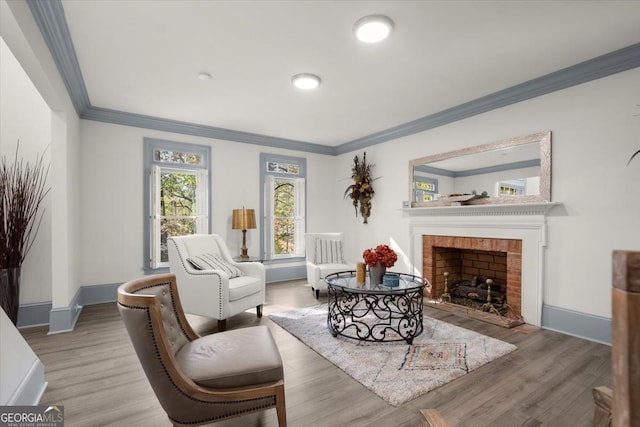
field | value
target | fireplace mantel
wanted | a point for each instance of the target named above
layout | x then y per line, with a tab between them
525	222
483	210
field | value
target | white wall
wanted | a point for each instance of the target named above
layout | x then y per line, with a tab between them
112	196
22	36
25	117
594	134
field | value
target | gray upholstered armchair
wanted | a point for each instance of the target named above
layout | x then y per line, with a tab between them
210	283
199	380
324	255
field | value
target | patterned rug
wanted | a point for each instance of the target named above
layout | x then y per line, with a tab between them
396	371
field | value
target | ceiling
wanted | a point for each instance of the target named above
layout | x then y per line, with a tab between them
143	57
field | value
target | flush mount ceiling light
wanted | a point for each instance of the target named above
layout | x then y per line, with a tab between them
305	81
373	28
203	75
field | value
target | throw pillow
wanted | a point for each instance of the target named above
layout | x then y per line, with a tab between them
328	252
215	262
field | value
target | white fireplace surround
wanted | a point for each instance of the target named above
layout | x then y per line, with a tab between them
522	222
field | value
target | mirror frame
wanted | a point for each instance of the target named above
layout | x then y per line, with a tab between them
542	138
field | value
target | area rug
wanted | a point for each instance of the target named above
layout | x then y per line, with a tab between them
396	371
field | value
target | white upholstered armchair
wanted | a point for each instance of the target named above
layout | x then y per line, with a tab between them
210	283
324	255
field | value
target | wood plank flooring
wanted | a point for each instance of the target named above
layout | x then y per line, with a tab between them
94	372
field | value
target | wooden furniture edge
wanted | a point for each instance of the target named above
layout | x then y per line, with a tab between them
432	418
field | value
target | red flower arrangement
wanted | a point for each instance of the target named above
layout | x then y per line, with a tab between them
382	253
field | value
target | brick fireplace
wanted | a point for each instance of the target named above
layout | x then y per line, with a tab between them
517	232
466	257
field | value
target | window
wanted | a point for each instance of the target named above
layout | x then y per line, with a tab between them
283	201
425	189
514	187
177	185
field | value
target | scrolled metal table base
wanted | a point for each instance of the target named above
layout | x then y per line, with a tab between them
375	317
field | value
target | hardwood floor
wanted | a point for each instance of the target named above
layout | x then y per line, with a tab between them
94	373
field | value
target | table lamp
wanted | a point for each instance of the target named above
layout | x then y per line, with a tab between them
244	219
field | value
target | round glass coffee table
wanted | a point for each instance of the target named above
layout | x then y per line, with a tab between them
375	312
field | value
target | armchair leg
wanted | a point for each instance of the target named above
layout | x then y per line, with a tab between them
259	310
281	407
222	325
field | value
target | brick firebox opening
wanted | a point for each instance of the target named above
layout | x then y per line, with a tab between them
465	257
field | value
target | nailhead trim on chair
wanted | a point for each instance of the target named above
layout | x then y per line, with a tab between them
164	368
220	314
173	304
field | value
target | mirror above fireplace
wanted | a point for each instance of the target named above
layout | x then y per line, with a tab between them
512	171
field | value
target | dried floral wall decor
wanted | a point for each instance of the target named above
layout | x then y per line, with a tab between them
361	191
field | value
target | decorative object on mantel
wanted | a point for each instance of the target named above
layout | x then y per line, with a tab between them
361	191
378	260
461	199
22	191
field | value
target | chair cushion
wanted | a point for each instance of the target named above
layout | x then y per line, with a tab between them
326	269
214	262
235	358
328	252
240	287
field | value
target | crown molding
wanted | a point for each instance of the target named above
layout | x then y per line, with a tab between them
49	15
166	125
50	18
611	63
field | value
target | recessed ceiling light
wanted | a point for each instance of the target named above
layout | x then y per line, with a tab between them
373	28
305	81
204	76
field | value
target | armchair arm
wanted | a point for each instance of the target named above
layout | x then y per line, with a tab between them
313	273
203	292
253	269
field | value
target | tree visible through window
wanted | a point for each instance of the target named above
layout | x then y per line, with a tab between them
178	190
178	206
284	218
284	206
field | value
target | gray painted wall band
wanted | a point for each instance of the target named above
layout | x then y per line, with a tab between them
582	325
63	319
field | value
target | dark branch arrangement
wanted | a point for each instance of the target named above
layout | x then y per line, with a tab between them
23	187
632	156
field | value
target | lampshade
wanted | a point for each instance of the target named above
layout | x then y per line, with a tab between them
243	219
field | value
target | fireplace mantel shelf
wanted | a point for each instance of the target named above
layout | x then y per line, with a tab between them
483	210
